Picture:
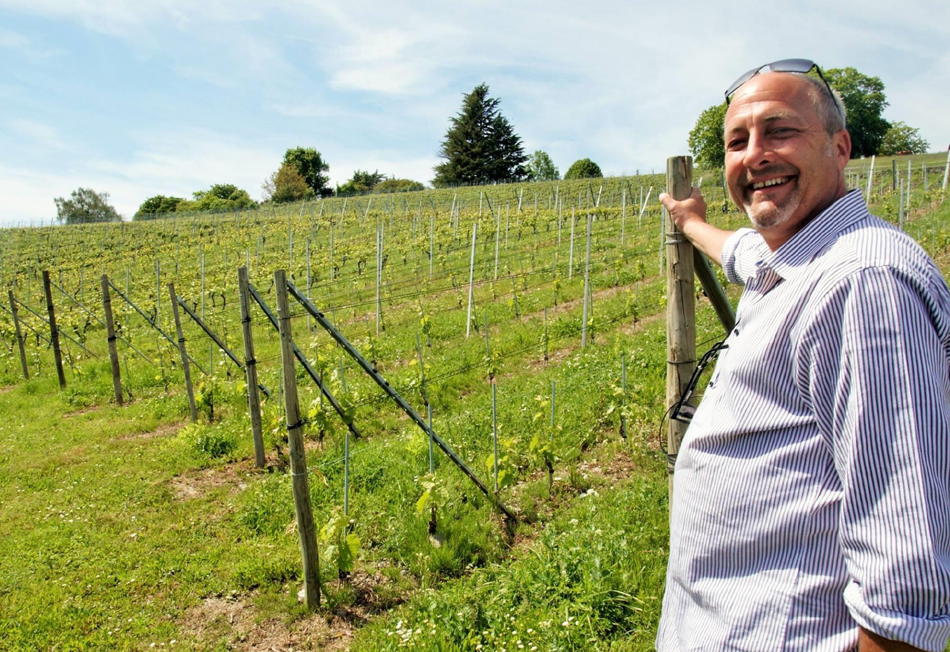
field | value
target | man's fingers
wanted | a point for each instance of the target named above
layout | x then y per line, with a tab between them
682	211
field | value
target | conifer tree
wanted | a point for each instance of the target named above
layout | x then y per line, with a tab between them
480	146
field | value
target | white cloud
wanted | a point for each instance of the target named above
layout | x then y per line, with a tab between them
38	135
169	164
372	85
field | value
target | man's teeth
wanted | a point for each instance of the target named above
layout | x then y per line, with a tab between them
770	182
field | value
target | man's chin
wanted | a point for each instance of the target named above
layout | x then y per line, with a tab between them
769	217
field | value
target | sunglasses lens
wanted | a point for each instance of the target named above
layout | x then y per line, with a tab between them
784	65
792	65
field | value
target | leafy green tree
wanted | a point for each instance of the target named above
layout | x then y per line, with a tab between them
901	137
311	166
480	146
706	142
865	101
84	206
583	169
398	185
361	182
157	205
286	184
541	167
220	197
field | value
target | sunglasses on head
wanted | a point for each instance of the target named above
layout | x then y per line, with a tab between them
801	66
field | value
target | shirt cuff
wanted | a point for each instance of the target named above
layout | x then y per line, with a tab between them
925	633
732	253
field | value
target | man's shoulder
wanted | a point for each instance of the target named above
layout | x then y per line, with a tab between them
872	243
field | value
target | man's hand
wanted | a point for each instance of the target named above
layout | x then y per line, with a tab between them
689	215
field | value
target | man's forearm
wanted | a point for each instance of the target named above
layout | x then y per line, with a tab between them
707	238
871	642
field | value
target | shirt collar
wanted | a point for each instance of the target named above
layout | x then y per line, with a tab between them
792	257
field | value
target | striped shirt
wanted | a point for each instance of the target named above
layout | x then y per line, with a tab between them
813	484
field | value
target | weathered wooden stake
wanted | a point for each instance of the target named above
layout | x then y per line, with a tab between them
19	335
185	367
900	206
110	331
54	332
680	306
587	288
471	283
250	368
570	259
298	461
494	430
623	213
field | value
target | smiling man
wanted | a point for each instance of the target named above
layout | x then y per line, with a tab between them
812	502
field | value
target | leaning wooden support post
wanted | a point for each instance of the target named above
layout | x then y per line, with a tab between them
471	277
715	292
250	368
110	331
19	334
298	461
680	306
54	332
184	354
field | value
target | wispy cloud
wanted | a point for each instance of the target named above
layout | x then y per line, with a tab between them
38	134
372	85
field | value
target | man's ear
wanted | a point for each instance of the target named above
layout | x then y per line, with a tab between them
841	142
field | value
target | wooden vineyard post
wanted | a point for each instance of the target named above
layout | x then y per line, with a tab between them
110	331
184	354
54	332
680	306
298	461
250	366
587	288
471	280
19	335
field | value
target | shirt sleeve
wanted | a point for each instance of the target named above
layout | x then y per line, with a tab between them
740	254
876	374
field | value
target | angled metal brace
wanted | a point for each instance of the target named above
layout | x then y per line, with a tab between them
303	360
174	343
403	405
210	333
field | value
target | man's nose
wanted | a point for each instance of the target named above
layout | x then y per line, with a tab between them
757	152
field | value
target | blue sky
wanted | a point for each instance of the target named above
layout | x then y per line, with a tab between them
144	98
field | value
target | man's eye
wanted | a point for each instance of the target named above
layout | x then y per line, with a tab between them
737	142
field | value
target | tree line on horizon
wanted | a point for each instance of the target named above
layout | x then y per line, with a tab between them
482	147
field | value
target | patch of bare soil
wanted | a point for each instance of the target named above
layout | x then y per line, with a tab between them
161	431
592	473
198	483
81	411
233	619
6	388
